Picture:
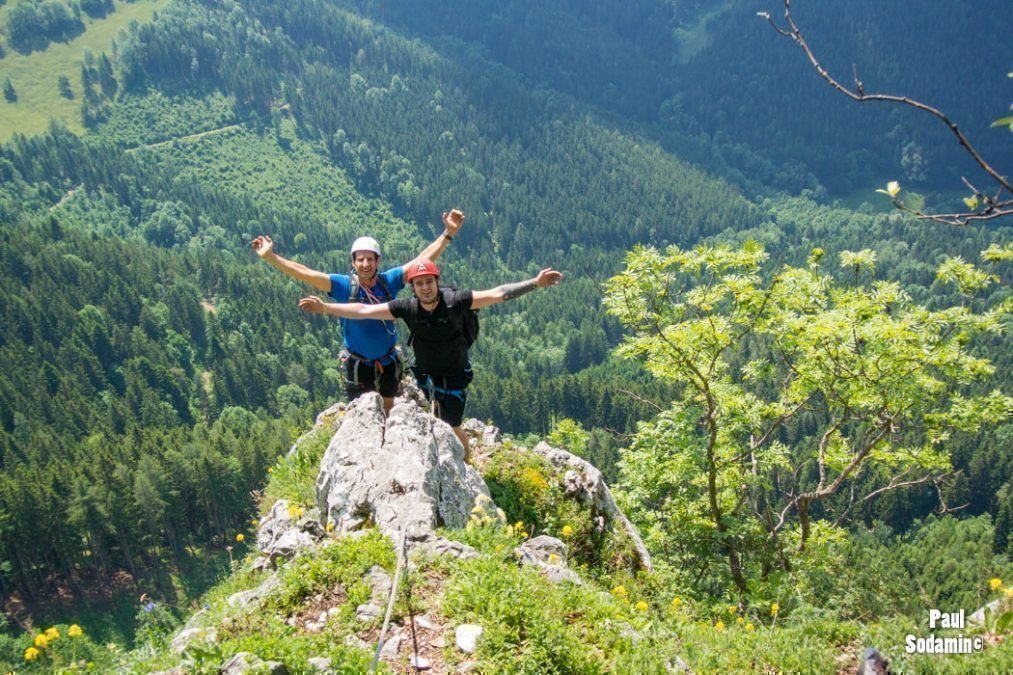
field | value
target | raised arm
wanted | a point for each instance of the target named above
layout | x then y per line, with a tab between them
351	310
547	277
452	223
264	247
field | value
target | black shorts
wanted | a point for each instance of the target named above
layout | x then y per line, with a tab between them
449	393
362	376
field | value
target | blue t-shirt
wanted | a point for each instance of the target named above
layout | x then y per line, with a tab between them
369	338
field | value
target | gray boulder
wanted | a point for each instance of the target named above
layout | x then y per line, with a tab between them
282	535
187	636
405	474
549	555
542	550
244	662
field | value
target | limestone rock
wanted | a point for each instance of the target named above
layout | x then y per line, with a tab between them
406	474
189	635
281	536
466	637
321	664
367	612
549	554
585	483
482	434
454	549
979	615
543	549
379	585
557	574
391	646
244	662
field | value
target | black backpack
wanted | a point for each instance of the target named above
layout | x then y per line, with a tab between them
469	324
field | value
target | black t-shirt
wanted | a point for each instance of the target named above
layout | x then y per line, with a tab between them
437	336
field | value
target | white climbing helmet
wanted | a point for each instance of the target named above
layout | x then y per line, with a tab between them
366	244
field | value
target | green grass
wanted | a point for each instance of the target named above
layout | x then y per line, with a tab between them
35	75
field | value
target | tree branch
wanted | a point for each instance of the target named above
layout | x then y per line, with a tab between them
1001	204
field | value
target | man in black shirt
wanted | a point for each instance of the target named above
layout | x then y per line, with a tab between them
438	321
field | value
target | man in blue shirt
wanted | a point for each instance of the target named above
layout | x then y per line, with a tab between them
370	356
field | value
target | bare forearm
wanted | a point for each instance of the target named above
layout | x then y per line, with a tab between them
436	248
516	290
299	272
355	310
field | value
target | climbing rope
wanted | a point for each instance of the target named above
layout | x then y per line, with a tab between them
402	564
390	607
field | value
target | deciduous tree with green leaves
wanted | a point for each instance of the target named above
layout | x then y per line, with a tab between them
806	392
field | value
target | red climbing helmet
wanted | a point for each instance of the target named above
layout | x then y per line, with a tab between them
420	268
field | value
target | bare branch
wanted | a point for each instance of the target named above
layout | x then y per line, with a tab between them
991	207
895	484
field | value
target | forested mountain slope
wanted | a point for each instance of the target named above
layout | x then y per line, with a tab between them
714	83
154	367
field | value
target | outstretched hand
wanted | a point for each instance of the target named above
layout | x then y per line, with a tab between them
453	221
262	245
313	305
548	277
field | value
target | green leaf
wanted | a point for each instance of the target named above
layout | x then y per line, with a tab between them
1004	122
1004	622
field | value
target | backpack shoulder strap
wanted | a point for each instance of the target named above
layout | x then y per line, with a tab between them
353	287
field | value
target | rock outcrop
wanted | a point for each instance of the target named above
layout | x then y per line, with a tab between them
584	482
406	474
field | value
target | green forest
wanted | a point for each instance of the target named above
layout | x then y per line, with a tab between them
799	394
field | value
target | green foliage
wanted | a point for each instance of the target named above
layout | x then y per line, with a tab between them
293	476
756	358
531	494
72	651
532	627
342	564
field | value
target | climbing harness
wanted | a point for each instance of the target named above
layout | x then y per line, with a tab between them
393	357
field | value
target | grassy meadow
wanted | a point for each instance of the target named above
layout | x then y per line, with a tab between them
35	75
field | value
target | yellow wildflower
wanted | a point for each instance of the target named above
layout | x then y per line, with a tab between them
270	469
740	621
719	626
31	654
330	525
749	627
774	609
1008	592
52	634
74	631
619	591
641	605
567	531
240	537
41	641
995	583
732	609
255	522
519	525
553	558
676	602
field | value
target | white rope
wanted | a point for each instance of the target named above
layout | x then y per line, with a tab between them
390	605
